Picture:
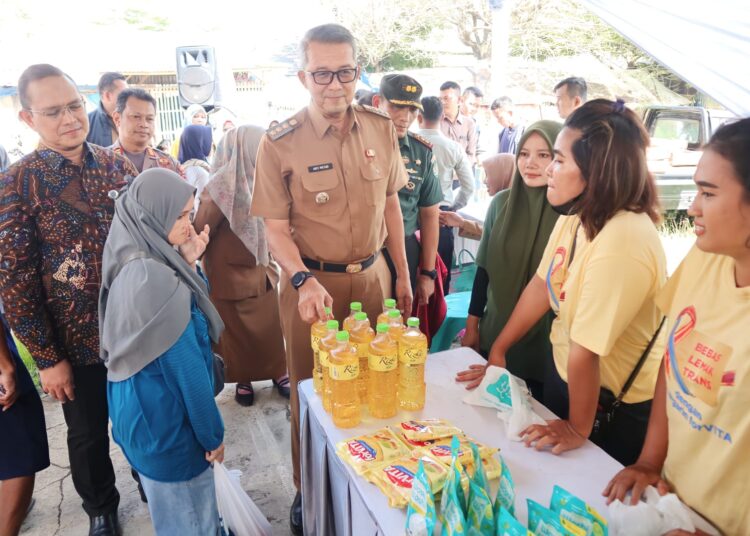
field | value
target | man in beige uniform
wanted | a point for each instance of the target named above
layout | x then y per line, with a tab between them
326	183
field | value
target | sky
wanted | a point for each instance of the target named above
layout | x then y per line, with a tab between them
85	38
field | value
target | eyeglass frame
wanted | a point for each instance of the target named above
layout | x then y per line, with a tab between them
337	74
59	111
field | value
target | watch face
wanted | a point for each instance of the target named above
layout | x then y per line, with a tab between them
299	278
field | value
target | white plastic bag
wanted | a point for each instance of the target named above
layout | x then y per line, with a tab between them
236	509
510	396
654	514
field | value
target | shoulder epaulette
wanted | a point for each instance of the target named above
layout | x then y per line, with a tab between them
371	109
283	128
421	139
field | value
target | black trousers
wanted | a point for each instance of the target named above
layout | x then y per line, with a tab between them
413	249
627	431
445	250
88	441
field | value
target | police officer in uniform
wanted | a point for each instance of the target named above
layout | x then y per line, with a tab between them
399	96
326	181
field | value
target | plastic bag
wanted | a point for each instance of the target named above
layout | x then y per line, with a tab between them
507	525
656	514
237	511
509	395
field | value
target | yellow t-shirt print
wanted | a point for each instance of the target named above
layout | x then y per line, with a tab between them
697	361
556	276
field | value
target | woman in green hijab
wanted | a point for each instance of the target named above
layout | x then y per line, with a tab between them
518	224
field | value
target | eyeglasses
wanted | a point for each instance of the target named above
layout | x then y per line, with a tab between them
56	113
323	78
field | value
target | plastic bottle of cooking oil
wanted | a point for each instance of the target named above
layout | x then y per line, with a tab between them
343	368
325	346
354	308
317	332
389	304
412	354
382	388
395	324
359	337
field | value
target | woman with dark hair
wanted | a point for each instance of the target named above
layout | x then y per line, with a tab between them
599	274
699	431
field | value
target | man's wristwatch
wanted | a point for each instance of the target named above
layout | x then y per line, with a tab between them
432	274
299	279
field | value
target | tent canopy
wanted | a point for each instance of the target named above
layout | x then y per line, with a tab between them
705	43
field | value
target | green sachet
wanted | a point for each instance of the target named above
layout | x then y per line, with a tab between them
575	510
479	517
420	515
506	491
507	525
453	501
545	522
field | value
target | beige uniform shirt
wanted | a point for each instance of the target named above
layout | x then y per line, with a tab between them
330	186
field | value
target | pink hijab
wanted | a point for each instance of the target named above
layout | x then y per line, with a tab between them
499	170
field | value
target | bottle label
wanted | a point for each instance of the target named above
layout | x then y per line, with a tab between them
344	372
360	348
314	341
323	358
413	356
382	363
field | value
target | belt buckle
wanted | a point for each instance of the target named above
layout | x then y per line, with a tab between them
354	268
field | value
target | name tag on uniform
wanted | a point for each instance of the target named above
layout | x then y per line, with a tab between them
320	167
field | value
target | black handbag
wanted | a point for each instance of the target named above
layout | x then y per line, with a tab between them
219	369
608	402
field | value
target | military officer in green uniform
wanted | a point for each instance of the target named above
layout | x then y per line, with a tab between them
399	96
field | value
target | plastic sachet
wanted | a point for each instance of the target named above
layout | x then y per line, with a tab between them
545	522
577	512
441	449
395	478
507	525
420	514
428	429
655	514
453	499
479	515
506	491
509	396
366	451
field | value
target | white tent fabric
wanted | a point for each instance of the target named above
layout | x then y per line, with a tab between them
705	43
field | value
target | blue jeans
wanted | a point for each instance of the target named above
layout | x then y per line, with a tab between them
183	508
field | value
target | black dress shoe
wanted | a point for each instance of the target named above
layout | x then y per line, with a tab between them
295	515
105	525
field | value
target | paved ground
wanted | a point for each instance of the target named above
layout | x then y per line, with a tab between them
257	443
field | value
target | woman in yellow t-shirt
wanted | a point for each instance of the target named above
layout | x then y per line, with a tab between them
600	271
699	432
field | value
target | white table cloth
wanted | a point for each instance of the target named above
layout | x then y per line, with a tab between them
336	501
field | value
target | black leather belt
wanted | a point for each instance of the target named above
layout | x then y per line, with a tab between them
351	268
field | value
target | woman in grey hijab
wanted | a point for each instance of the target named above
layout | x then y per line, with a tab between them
156	324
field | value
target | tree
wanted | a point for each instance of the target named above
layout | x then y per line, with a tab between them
473	21
388	32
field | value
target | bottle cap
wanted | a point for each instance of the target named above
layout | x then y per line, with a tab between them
360	316
382	328
342	336
389	303
327	310
413	322
355	306
332	324
394	313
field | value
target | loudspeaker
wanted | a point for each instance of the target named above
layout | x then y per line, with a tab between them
196	76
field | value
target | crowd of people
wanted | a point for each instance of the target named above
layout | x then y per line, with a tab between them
124	269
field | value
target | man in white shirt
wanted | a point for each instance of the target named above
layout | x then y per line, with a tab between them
451	159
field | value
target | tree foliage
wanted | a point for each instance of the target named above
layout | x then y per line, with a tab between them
389	32
473	22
